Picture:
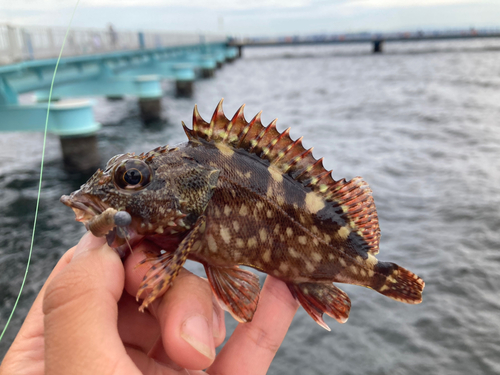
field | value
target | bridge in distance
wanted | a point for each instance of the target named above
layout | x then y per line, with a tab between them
377	39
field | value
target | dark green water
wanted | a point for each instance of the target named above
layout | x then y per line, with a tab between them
420	123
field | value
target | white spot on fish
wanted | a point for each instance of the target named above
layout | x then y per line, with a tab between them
344	232
243	210
293	253
302	240
371	260
289	232
284	267
236	226
316	256
314	202
212	245
263	234
276	229
224	233
275	174
227	210
280	199
252	242
225	149
266	256
309	266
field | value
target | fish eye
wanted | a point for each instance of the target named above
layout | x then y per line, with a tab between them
132	174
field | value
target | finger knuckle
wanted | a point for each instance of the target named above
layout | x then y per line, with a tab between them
66	289
261	338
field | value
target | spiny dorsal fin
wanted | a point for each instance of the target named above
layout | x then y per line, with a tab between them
356	200
291	158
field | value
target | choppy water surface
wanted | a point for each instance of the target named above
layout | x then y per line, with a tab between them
420	123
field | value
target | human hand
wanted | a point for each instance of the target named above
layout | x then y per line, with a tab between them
82	322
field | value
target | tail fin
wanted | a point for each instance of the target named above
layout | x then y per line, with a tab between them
400	284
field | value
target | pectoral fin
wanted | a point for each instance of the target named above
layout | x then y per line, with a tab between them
166	267
236	290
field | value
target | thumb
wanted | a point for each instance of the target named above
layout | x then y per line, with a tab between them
80	312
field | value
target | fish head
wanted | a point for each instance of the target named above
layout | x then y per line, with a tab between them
144	186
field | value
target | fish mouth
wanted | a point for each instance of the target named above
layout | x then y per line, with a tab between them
83	205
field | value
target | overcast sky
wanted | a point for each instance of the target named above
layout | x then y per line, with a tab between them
257	17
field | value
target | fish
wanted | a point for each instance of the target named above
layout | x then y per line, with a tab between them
239	193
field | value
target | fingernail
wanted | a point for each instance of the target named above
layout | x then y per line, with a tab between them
215	325
196	332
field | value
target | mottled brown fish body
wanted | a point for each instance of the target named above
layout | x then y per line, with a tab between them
240	193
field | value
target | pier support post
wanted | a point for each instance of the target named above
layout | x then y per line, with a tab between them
207	66
378	45
148	89
74	122
80	154
231	54
114	98
220	57
184	79
150	109
240	51
71	120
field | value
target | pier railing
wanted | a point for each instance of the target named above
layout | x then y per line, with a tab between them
21	43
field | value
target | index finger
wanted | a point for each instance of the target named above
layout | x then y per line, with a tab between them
252	347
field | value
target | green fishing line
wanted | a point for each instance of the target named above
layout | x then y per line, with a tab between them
41	173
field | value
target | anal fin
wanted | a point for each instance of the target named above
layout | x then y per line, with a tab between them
236	290
317	299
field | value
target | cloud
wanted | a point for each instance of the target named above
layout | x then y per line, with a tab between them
212	4
407	3
256	17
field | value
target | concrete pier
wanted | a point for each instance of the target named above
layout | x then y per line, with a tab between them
149	92
207	66
71	120
184	80
231	54
378	46
150	109
114	98
220	57
98	64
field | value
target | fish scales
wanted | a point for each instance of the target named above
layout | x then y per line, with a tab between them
239	193
275	207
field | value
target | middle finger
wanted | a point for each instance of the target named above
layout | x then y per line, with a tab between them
191	324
